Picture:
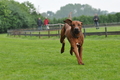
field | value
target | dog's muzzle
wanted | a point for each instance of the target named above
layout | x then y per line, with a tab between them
76	30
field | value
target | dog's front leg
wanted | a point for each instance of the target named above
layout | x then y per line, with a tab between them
71	50
75	50
80	53
62	49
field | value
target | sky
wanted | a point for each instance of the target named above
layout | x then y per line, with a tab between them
54	5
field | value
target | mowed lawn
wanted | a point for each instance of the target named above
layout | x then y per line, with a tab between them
40	59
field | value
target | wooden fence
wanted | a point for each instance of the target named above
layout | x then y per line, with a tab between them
49	32
106	32
56	28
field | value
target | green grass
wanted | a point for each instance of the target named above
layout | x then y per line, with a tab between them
32	58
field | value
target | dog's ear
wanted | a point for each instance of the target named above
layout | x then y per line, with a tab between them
81	23
68	21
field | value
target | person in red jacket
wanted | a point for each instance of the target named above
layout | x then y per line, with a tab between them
46	22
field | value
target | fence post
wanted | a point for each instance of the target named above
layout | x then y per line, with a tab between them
19	34
7	33
58	32
48	33
105	31
84	32
14	33
30	34
39	34
60	26
25	34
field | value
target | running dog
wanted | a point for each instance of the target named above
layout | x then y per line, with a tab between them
73	31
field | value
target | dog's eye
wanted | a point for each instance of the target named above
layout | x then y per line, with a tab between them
79	25
73	25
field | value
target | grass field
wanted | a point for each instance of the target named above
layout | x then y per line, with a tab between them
40	59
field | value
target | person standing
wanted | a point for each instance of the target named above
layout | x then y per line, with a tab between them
46	22
96	19
39	23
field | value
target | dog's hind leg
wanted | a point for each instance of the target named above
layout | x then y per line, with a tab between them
62	37
63	43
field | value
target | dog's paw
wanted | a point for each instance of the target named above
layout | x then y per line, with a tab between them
62	51
81	64
71	53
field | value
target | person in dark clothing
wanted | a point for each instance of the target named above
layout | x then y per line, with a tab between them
39	23
96	19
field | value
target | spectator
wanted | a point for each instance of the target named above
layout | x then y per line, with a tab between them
39	23
96	19
46	22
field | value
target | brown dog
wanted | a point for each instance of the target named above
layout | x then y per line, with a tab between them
73	31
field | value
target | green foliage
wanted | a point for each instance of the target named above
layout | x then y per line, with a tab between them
14	15
88	20
118	17
4	15
40	59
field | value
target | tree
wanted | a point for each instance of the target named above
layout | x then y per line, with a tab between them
14	15
118	16
4	17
